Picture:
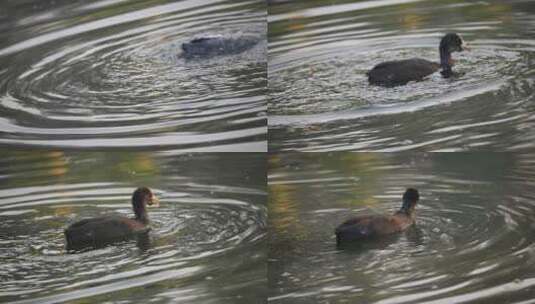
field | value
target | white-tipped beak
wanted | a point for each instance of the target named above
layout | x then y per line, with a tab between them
464	46
154	201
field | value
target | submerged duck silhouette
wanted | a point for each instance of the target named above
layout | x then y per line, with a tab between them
370	226
209	46
101	231
400	72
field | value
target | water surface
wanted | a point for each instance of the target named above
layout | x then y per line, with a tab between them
207	243
320	100
473	240
110	74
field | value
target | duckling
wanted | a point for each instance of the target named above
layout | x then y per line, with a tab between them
365	227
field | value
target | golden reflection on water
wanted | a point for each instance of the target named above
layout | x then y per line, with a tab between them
140	163
412	21
282	205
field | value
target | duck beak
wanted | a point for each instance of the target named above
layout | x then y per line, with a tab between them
464	46
154	201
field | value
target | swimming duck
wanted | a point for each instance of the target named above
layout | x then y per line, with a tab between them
400	72
364	227
101	231
208	46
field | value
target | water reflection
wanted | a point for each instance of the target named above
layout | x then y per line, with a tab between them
211	222
320	100
472	240
111	74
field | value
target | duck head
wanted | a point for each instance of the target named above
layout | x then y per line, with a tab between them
410	199
142	197
450	43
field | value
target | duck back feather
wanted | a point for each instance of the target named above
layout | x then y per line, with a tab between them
401	72
99	232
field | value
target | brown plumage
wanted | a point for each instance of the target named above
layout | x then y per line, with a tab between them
365	227
101	231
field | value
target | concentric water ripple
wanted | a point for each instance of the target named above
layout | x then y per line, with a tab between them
108	79
204	228
320	100
473	241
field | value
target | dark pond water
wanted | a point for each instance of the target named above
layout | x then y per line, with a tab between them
320	100
207	241
110	74
473	241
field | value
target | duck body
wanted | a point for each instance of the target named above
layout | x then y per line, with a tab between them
210	46
367	227
400	72
374	226
105	230
102	231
